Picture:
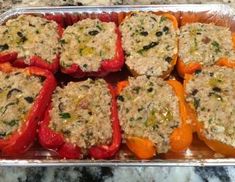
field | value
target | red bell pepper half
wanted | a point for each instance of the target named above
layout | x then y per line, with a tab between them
107	66
34	60
54	140
21	140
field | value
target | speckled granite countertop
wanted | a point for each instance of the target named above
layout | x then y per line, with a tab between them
123	174
6	4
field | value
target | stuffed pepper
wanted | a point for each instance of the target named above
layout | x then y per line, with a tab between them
24	95
30	41
203	45
150	43
153	116
91	47
211	97
82	121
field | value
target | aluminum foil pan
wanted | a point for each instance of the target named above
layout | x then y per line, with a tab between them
198	153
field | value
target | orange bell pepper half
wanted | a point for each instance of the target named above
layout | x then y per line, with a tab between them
122	16
215	145
190	68
197	126
180	138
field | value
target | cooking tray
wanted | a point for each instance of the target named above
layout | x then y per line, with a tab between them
198	153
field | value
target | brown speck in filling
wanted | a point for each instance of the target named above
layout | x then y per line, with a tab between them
206	40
